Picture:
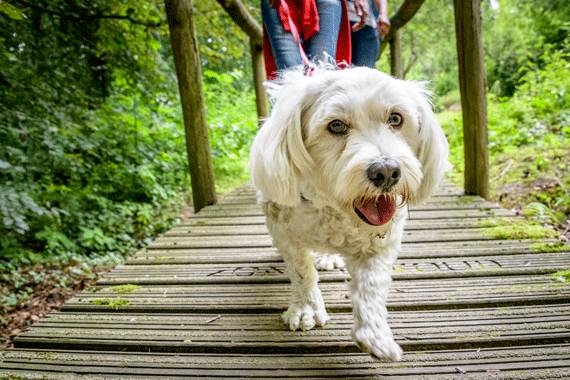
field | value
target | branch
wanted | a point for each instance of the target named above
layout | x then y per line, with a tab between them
410	64
239	13
404	14
92	16
413	56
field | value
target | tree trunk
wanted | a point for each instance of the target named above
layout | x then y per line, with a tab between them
258	78
188	72
396	67
472	84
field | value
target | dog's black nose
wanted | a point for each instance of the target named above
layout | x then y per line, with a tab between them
384	173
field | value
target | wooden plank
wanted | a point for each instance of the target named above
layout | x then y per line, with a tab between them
472	85
258	71
520	361
446	203
415	224
269	254
445	189
487	362
255	223
188	72
404	295
265	333
470	238
443	213
275	271
243	199
252	209
446	234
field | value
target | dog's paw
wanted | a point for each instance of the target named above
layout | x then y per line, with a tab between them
304	316
325	261
377	342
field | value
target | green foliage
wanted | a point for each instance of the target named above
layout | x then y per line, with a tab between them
529	141
541	105
93	150
93	159
515	34
232	123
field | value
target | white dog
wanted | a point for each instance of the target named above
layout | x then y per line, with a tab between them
336	164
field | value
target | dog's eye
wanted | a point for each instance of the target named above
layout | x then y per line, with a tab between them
396	120
338	127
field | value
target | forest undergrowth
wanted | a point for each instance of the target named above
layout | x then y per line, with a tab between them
529	143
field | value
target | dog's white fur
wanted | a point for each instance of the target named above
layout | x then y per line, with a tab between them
309	180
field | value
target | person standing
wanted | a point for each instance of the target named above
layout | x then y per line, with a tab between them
366	39
299	31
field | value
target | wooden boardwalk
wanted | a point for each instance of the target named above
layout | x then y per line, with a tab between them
204	301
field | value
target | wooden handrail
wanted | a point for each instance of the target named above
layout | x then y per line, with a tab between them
239	13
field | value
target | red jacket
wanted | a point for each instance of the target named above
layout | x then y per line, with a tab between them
305	18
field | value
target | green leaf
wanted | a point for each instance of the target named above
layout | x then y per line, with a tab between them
11	11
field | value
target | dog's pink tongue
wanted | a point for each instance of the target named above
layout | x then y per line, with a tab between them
378	211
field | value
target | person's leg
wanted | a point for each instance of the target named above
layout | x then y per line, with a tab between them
285	49
325	40
365	46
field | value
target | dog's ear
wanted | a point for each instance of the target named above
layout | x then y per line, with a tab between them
433	152
278	154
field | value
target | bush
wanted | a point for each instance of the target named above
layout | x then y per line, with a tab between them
529	141
93	160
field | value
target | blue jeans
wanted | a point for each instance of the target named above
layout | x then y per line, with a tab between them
365	46
321	46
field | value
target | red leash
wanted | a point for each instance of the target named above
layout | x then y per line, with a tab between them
309	67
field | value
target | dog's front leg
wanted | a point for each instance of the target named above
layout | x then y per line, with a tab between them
370	282
306	308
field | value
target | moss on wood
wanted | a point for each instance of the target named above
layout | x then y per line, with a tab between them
563	275
550	247
124	289
515	228
115	303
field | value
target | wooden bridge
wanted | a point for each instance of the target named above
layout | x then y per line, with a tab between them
204	300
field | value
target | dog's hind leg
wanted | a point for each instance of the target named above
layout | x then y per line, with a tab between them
371	278
328	261
306	308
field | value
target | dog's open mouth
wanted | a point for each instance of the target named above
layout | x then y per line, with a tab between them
377	211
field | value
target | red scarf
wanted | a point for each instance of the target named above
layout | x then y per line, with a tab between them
304	16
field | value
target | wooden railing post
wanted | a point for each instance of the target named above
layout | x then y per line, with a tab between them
472	84
258	78
188	72
396	68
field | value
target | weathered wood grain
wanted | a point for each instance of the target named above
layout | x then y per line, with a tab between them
467	238
418	294
414	224
271	272
204	301
188	72
249	333
536	362
472	85
270	255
